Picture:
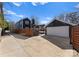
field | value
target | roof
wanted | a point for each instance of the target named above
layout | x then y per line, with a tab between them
27	19
56	22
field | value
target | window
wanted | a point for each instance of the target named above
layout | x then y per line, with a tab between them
27	22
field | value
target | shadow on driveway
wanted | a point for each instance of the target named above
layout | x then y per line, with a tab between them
19	36
61	42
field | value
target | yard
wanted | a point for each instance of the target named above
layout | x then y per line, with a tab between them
38	46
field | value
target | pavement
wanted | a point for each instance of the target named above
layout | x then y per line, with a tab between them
15	45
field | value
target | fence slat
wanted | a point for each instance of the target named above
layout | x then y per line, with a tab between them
75	37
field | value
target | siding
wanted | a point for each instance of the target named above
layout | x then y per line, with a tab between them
58	31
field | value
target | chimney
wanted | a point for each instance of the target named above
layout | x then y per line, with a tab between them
33	22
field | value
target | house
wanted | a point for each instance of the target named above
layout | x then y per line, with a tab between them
59	28
42	29
24	23
26	27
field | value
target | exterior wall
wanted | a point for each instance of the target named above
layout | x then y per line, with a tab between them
22	24
58	31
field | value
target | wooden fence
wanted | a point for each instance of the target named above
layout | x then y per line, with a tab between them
75	37
27	32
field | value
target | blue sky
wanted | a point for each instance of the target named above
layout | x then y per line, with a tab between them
44	11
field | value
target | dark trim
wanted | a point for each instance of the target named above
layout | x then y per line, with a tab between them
70	33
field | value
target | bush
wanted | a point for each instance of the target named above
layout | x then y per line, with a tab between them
3	23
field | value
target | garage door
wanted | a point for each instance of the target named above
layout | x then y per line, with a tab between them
58	31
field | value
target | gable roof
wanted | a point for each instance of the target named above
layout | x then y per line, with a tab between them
56	22
27	19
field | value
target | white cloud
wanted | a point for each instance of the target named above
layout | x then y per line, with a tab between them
38	3
77	6
18	4
12	13
48	18
34	4
43	3
8	11
46	21
21	16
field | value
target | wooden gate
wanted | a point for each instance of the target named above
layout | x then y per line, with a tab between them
75	37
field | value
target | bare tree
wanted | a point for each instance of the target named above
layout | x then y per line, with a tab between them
73	17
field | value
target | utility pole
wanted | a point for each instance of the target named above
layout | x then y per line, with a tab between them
1	7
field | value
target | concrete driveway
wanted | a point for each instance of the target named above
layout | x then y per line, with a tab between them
14	45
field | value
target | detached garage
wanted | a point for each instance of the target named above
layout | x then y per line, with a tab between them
59	28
